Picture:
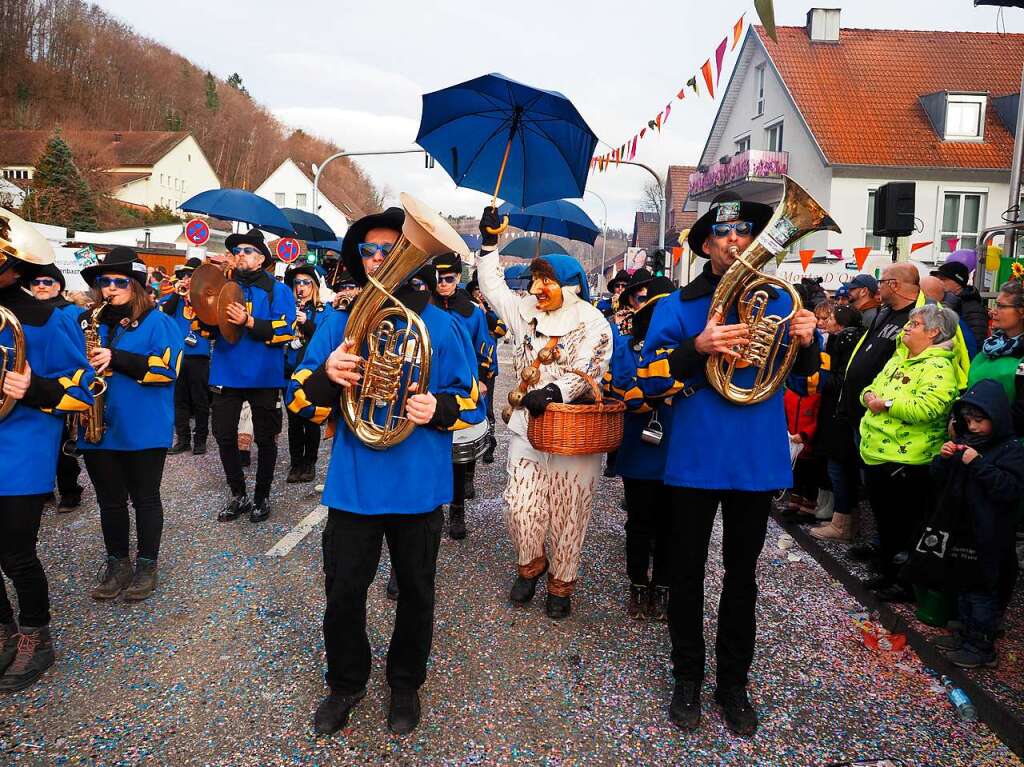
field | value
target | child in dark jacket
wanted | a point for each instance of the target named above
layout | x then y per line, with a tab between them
982	470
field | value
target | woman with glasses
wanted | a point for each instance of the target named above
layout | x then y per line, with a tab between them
908	405
1002	354
138	357
311	313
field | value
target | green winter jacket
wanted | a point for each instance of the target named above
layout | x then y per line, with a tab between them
922	390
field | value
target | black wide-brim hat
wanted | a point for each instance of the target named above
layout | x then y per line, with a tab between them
120	260
392	218
448	263
657	289
622	276
189	266
641	278
253	237
294	271
725	208
51	271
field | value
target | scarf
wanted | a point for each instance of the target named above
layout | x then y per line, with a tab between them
113	315
1001	345
247	276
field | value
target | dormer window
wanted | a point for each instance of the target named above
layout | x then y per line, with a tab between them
965	117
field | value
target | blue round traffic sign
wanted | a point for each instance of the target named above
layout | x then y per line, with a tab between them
197	232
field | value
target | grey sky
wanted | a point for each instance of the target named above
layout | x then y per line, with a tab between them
354	71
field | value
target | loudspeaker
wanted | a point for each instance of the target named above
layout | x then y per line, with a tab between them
894	209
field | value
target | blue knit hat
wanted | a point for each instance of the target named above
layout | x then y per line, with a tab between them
567	271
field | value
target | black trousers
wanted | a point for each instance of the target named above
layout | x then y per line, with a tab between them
266	425
490	398
192	398
900	497
744	523
459	472
68	469
303	440
118	475
19	531
351	548
648	520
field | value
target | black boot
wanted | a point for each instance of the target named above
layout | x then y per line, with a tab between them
245	457
523	589
143	581
684	710
199	446
636	603
392	587
260	509
8	644
69	502
293	475
739	715
115	579
308	472
34	655
180	446
657	603
470	488
558	607
236	507
456	522
404	711
488	456
332	713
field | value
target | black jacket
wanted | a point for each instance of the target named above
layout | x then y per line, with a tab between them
989	488
974	314
833	435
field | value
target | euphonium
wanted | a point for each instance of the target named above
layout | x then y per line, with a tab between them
395	339
744	285
92	419
11	358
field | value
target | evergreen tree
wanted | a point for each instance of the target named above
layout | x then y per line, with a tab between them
212	99
235	81
59	194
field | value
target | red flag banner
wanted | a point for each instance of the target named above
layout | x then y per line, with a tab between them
861	254
632	149
682	94
677	253
643	132
837	252
668	108
708	79
919	245
719	58
737	30
657	122
952	242
805	258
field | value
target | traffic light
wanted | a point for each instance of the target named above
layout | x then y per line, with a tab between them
311	257
656	263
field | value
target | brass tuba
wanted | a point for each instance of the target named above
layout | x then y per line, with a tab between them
396	339
10	358
744	285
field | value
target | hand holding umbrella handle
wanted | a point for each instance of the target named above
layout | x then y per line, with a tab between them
498	230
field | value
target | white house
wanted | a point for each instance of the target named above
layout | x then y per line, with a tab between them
146	168
290	185
843	111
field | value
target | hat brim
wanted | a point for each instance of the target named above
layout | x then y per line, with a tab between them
307	269
244	239
756	213
90	273
392	218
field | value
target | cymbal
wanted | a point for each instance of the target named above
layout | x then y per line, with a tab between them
229	294
207	282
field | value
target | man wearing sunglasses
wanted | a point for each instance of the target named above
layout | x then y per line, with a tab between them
720	455
460	306
251	370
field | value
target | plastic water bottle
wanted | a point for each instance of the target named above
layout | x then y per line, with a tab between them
964	708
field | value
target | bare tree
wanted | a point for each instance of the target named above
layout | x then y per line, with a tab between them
652	197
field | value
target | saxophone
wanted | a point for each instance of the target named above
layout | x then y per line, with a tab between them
92	419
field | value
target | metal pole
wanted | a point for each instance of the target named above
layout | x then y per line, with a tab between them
1010	240
604	235
336	155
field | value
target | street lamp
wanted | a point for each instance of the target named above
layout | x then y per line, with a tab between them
319	169
663	204
604	232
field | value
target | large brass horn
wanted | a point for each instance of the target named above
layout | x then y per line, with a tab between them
11	358
744	285
394	339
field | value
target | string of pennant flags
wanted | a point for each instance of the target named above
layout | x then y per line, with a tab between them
860	255
709	78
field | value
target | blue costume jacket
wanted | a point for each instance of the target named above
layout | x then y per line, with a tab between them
30	436
315	317
714	443
256	361
473	321
184	316
146	357
414	476
636	459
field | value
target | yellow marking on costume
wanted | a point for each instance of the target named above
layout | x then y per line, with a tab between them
470	402
75	380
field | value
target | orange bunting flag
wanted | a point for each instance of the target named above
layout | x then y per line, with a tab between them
677	253
719	58
737	30
805	258
861	254
708	77
657	122
919	245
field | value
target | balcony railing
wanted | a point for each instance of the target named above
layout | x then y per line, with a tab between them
752	165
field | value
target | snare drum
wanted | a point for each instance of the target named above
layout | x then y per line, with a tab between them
469	444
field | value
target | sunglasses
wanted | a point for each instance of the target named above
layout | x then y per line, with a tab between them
244	250
303	282
418	284
448	279
371	249
44	282
121	283
740	227
346	286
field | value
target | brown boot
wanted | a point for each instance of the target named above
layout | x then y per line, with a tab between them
34	656
839	529
116	577
8	644
143	582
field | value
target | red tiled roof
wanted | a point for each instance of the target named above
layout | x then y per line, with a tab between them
860	96
121	179
143	148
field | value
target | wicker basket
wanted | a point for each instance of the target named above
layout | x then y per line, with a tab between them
578	429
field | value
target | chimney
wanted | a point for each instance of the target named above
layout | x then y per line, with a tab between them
117	137
823	25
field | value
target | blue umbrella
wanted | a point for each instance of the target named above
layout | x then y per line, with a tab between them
334	245
492	131
517	276
308	226
240	205
527	247
557	217
472	241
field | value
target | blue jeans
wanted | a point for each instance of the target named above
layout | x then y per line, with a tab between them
979	611
845	479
